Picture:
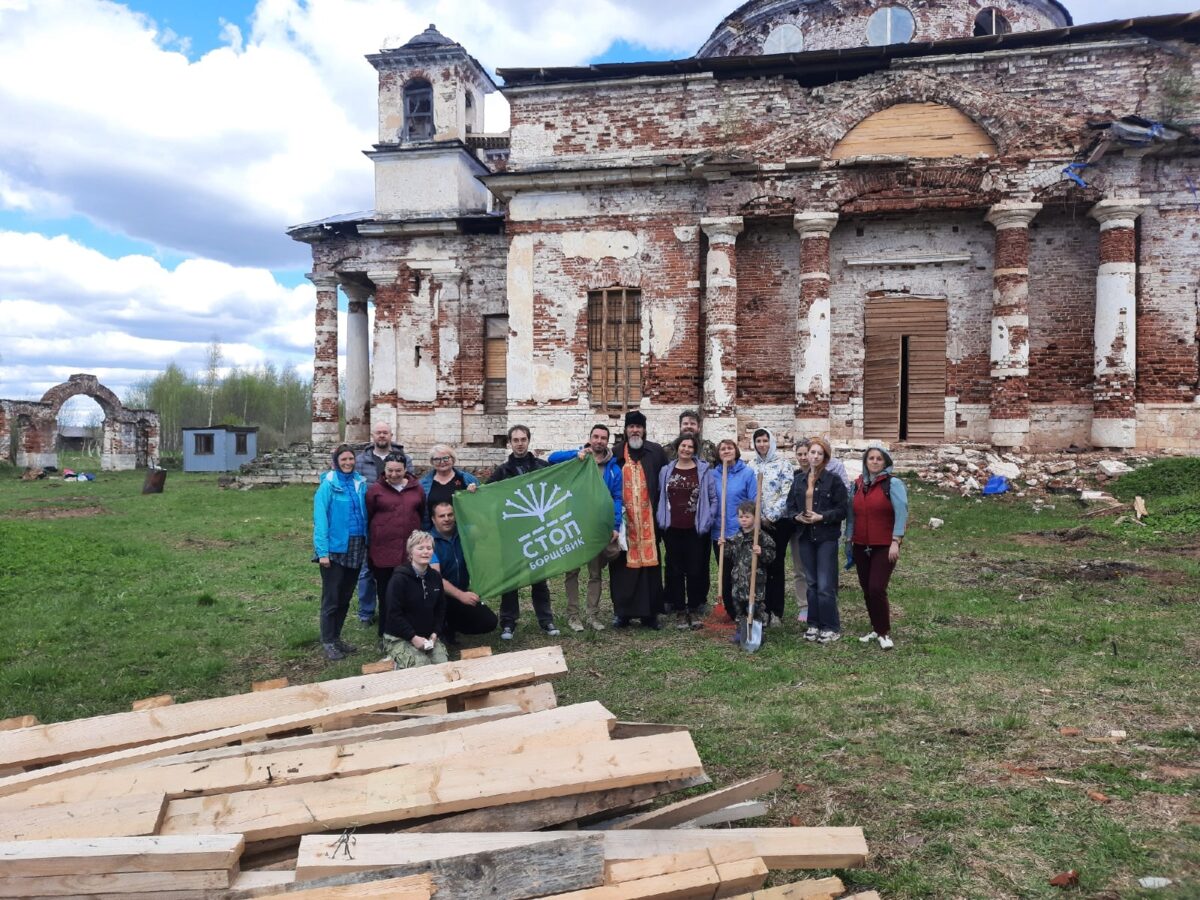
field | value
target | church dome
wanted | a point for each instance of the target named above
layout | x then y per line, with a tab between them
430	37
763	27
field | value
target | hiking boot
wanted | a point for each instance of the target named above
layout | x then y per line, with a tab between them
867	638
574	624
551	629
886	643
344	647
332	653
596	624
506	633
812	634
829	637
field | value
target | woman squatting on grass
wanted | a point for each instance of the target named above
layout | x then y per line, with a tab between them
878	513
414	609
339	545
817	503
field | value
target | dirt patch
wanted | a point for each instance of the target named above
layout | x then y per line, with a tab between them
60	512
190	543
1055	538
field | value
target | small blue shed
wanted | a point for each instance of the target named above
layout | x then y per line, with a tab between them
218	448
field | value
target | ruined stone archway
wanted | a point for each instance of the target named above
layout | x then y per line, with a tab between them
29	429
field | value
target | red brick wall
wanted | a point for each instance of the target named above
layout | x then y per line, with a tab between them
768	292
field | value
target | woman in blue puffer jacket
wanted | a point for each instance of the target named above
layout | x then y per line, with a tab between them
339	545
740	484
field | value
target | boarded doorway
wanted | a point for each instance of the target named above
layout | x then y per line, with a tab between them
904	375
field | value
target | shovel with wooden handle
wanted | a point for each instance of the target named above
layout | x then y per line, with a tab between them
753	638
721	547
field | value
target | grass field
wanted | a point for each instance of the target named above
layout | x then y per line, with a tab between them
1009	625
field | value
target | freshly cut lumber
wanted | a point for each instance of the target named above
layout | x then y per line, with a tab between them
567	862
15	783
650	866
271	684
121	817
779	848
97	856
114	883
737	812
153	702
566	727
81	737
475	652
453	785
811	889
683	810
413	887
531	698
16	722
556	810
376	668
413	727
690	884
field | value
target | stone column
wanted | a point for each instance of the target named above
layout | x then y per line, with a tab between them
1114	415
1008	418
358	363
325	430
720	328
384	396
813	323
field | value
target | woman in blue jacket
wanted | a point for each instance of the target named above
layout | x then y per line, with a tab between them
339	545
740	484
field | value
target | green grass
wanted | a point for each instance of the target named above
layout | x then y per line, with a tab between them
947	751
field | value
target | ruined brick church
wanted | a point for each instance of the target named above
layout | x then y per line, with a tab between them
922	221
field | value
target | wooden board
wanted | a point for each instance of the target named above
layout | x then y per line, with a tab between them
881	388
271	684
15	722
650	866
97	856
475	652
737	812
887	323
684	810
921	130
531	698
413	887
451	786
391	729
812	889
568	862
582	723
153	702
779	848
66	740
114	883
15	783
123	817
556	810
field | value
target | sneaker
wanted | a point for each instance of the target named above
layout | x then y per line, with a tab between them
811	635
332	653
367	622
867	638
574	624
344	647
506	633
681	622
770	621
886	643
551	629
829	637
596	624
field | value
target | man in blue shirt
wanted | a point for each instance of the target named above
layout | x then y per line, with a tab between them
465	612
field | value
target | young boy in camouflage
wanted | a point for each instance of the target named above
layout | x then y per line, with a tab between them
739	551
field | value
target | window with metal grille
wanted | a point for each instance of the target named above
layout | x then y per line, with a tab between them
615	347
204	444
418	110
495	364
991	21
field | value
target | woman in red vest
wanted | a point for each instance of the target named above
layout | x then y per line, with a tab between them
875	528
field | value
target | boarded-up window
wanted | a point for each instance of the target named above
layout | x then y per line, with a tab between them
904	372
924	130
204	444
615	347
241	443
495	364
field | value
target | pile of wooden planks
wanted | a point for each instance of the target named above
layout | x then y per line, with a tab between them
459	780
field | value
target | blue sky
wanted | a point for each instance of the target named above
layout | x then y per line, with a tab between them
155	151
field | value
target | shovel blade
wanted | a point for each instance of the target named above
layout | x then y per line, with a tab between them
753	638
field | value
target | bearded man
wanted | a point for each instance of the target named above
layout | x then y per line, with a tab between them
636	575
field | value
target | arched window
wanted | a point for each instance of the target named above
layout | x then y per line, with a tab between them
890	25
418	110
786	38
990	21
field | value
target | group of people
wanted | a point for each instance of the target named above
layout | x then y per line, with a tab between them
377	526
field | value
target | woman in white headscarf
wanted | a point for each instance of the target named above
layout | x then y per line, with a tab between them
777	481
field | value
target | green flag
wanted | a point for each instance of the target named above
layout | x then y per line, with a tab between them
532	527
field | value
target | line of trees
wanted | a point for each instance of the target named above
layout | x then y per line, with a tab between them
276	400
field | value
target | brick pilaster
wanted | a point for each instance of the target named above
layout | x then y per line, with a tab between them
325	429
720	331
813	323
